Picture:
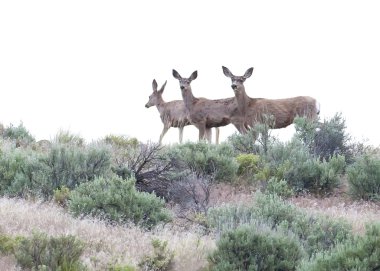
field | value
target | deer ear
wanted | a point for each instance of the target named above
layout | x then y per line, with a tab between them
163	87
176	75
194	75
227	72
248	73
154	85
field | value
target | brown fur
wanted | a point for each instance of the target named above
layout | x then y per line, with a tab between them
172	114
254	110
205	113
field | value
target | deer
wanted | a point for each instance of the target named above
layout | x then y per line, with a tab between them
204	113
256	110
173	113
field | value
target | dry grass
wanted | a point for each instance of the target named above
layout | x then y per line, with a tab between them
106	244
109	245
357	213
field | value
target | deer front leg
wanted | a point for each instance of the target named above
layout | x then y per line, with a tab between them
166	128
216	135
208	134
180	134
202	131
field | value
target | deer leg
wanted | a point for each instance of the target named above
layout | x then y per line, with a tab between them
217	135
180	134
208	134
202	131
166	128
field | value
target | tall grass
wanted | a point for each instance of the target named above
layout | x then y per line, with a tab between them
105	244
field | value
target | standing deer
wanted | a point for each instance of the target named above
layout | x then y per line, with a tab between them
204	113
255	110
173	113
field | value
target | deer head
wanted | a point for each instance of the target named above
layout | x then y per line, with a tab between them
237	81
156	97
184	83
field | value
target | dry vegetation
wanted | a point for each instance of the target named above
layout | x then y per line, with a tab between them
111	244
106	244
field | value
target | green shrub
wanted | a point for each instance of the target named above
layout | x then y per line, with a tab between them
256	247
72	165
8	244
279	187
360	253
244	143
61	195
205	160
315	232
122	142
248	164
121	268
316	176
23	173
162	258
67	138
19	134
325	139
302	171
364	178
229	217
40	252
117	200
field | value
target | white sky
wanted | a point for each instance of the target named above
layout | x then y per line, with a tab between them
87	66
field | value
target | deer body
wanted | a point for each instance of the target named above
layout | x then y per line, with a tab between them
255	110
283	110
204	113
172	114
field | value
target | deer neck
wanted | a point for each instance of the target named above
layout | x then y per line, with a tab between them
161	105
242	101
189	99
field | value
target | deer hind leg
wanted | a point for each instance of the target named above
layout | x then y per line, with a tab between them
180	134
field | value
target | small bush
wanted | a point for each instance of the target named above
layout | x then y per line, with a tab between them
279	187
72	165
122	142
40	252
23	173
161	260
256	247
360	253
117	200
121	268
325	139
244	143
205	159
315	232
8	244
61	195
303	172
67	138
313	175
19	134
364	178
248	164
229	217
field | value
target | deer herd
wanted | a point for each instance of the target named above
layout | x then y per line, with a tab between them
241	110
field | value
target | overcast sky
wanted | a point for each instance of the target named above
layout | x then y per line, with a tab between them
88	66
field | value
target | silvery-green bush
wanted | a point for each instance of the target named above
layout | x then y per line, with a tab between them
117	200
